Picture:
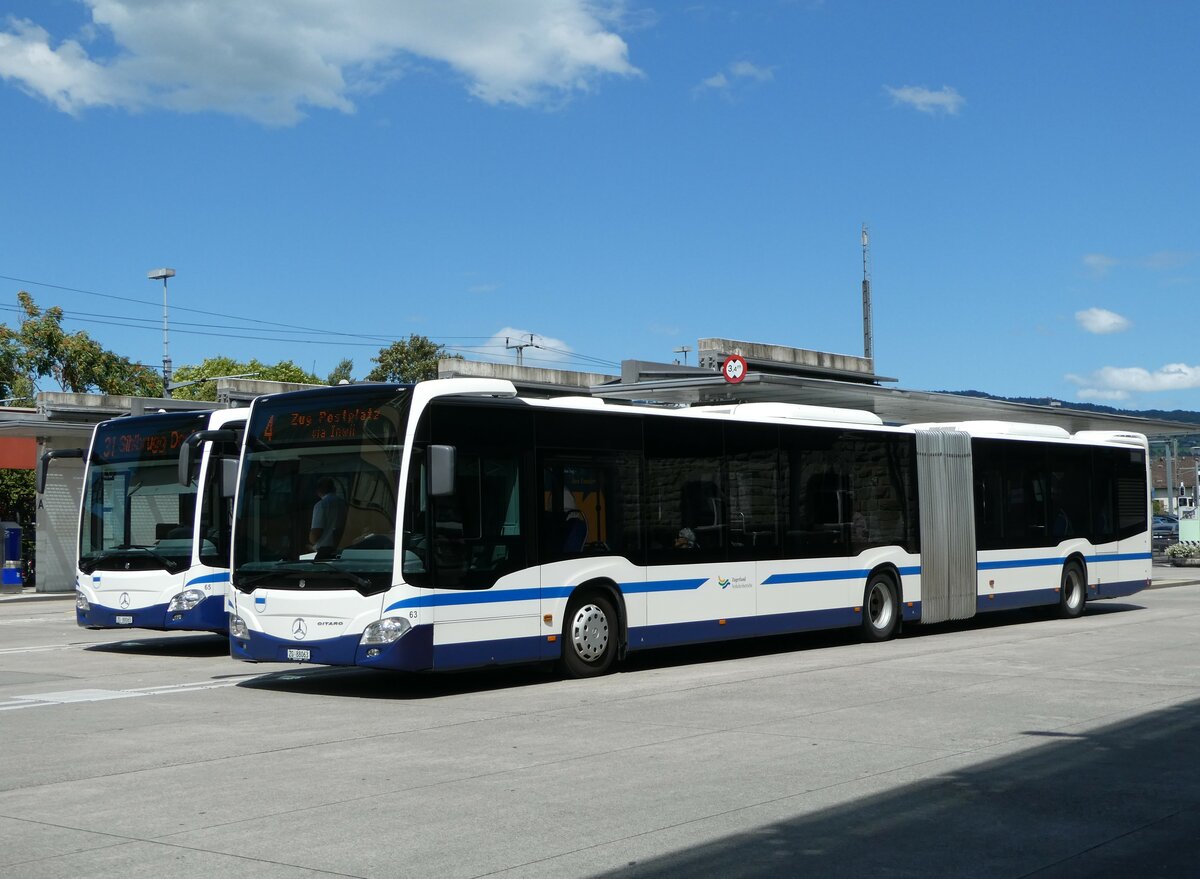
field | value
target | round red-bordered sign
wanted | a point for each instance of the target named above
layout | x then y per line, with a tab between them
734	368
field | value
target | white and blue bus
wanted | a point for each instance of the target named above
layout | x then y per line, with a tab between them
153	550
470	527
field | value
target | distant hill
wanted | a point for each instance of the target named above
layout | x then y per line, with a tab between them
1185	415
1183	443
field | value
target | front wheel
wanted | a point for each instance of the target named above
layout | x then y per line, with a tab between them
589	639
1072	593
881	609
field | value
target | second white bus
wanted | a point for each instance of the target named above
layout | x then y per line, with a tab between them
153	550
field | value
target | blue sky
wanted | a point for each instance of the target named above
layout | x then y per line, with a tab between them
619	179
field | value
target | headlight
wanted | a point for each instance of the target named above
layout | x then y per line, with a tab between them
81	603
385	631
185	600
238	629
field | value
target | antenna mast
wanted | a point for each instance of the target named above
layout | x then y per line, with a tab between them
868	336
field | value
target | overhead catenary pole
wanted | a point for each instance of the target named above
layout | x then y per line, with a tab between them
156	275
868	334
520	347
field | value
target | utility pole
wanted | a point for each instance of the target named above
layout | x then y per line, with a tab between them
683	349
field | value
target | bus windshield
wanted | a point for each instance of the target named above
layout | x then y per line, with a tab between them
318	489
135	514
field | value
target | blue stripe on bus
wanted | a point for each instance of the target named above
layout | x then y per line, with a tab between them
818	576
488	596
1053	561
222	577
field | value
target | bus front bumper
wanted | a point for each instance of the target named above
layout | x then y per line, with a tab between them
412	652
97	616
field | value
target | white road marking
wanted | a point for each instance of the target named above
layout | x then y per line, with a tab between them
64	697
38	648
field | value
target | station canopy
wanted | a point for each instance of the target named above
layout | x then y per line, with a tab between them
786	375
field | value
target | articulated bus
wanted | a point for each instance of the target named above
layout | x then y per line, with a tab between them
154	544
451	524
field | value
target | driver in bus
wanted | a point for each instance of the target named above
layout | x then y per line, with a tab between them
328	519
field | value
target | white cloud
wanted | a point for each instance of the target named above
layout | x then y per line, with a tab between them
746	70
1099	265
540	351
724	81
1118	382
1102	321
1167	260
947	100
272	59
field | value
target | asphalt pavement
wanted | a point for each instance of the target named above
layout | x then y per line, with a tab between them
1013	745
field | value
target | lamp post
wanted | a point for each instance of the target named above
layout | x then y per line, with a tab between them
156	275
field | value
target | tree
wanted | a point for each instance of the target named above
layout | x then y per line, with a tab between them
344	371
40	348
413	360
217	367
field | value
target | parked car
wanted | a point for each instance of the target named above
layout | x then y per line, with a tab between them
1164	531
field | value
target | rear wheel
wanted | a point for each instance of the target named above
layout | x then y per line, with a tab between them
1072	593
881	609
589	639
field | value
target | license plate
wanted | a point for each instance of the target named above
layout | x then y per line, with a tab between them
299	654
124	621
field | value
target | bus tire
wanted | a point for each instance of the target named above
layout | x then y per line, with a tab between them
881	609
591	631
1072	592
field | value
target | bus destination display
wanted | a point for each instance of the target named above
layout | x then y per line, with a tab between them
133	444
321	424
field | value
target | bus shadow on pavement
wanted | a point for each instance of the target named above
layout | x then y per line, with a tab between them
365	683
193	644
368	683
1110	803
1024	616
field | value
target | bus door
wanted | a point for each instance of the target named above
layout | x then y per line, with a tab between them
691	576
587	529
486	605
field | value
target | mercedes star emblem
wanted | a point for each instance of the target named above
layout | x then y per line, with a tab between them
124	599
299	628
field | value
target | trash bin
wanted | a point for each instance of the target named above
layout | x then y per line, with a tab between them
10	554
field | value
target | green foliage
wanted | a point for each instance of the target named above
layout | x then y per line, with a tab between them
1183	551
218	367
411	360
17	499
40	348
344	371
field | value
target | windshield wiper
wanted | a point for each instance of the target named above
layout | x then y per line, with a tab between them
171	565
300	569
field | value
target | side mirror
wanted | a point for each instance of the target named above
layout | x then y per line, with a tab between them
441	471
44	464
229	477
188	450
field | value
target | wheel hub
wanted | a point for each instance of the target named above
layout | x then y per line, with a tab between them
589	633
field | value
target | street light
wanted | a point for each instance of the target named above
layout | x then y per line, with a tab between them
157	275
